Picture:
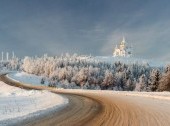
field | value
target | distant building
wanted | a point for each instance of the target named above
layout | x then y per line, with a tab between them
122	50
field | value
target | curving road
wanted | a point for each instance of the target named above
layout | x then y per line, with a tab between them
101	109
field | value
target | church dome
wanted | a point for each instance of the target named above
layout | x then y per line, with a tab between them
123	50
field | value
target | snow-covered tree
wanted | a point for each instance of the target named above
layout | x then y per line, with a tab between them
165	82
129	85
141	85
109	80
76	71
154	79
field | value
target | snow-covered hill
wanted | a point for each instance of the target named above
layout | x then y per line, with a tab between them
129	60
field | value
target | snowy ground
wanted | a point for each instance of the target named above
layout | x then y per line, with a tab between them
26	78
131	60
16	102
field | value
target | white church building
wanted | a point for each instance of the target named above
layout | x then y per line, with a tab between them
122	50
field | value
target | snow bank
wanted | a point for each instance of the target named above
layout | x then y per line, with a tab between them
27	78
153	95
16	102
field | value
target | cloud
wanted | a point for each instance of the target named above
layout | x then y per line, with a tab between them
55	27
148	42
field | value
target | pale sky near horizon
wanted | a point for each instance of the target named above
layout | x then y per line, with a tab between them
35	27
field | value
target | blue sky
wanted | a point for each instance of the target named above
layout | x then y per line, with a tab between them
34	27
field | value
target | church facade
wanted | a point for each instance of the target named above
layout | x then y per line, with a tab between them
122	50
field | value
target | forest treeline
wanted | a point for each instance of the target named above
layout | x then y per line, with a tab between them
73	71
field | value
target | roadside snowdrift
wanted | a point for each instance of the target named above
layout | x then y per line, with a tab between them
16	102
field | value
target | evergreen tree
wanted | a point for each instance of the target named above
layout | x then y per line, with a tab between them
141	85
165	82
154	80
108	81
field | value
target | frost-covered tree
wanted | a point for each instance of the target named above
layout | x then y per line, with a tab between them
109	80
81	77
165	82
14	64
83	71
154	79
129	85
141	85
27	64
